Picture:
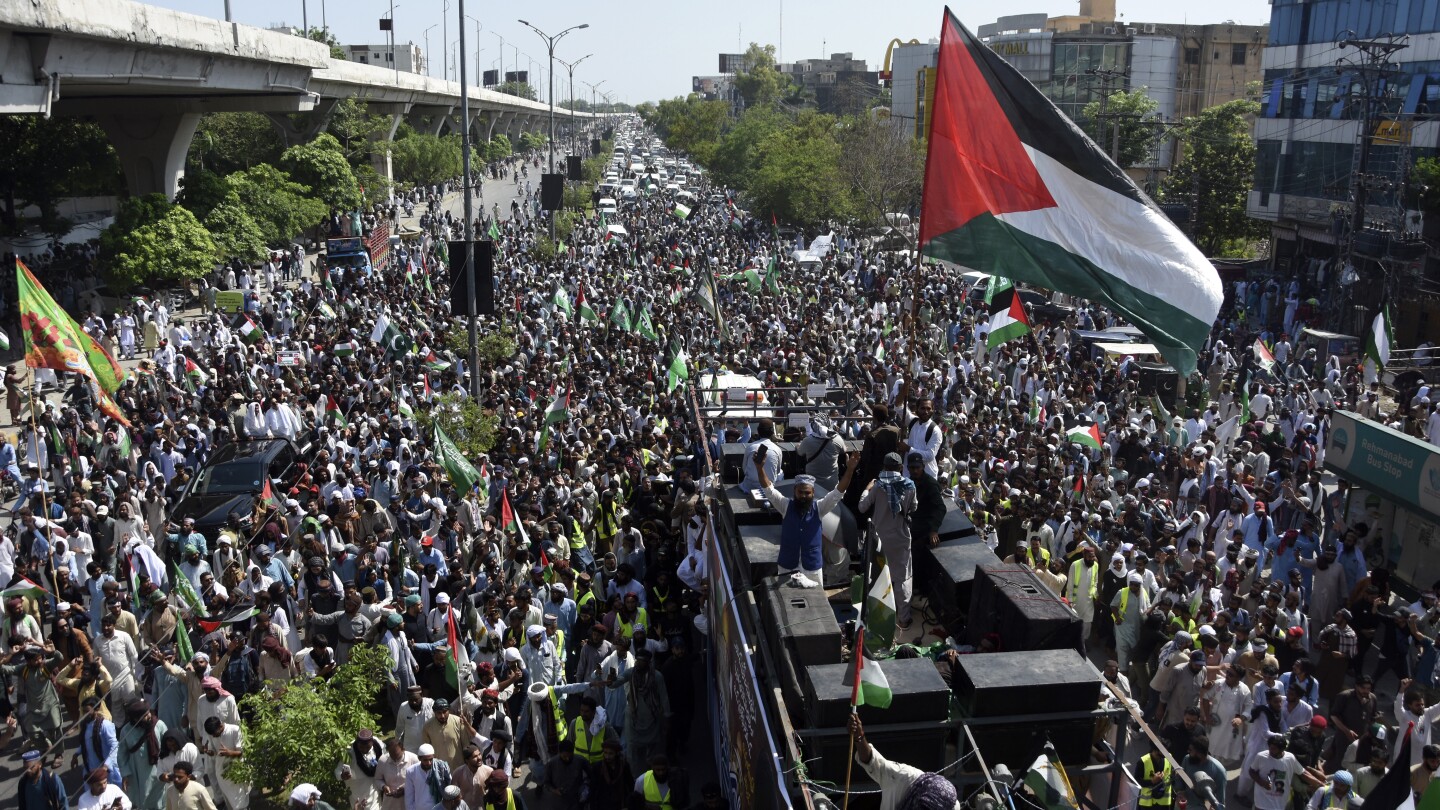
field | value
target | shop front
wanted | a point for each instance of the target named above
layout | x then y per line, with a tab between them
1395	494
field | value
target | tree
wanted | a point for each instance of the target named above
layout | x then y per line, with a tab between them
201	191
761	82
281	207
884	166
1135	114
45	160
426	159
297	734
691	125
356	130
227	142
321	165
1215	173
497	148
323	35
735	155
464	420
797	175
530	141
521	89
236	234
153	239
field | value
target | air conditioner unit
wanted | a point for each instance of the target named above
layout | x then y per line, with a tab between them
1149	28
1110	30
1129	32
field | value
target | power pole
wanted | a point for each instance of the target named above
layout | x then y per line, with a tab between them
1106	77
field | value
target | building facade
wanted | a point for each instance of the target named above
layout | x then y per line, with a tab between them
410	56
1339	127
841	84
912	72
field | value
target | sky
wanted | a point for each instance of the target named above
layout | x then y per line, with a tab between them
646	50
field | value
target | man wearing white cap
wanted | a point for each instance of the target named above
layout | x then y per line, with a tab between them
426	780
800	522
1128	607
303	797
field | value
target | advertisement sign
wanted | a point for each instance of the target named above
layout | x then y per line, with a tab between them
1400	467
747	757
232	301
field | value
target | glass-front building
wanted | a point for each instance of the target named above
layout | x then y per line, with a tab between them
1307	22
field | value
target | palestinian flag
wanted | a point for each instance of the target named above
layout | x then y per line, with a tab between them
1086	432
457	663
434	363
236	616
879	613
1244	396
269	498
509	521
676	294
1379	339
1007	312
249	332
1078	489
1046	780
194	373
26	588
880	349
681	211
461	472
1014	188
558	412
1263	355
868	684
346	349
586	313
332	410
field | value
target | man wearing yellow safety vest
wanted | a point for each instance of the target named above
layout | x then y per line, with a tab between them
590	730
659	789
499	795
1128	606
1156	780
1083	585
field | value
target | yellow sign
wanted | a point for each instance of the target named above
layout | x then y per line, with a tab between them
232	301
1021	48
1391	132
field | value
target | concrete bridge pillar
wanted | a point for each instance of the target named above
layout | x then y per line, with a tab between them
152	148
380	156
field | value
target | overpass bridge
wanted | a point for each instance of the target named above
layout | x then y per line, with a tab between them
147	74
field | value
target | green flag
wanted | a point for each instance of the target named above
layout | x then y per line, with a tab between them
880	612
186	591
461	472
772	276
562	303
494	231
644	327
183	650
620	316
679	370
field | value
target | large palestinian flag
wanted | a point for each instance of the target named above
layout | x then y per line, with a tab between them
1013	188
1007	312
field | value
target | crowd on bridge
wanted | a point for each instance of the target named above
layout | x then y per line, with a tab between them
1194	538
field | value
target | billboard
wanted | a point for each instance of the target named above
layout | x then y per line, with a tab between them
517	76
491	78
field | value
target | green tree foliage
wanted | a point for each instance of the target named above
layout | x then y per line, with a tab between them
426	159
521	89
201	192
44	160
497	148
797	174
323	35
357	130
235	232
1424	187
691	124
883	165
1136	116
472	428
321	165
646	111
530	141
281	207
735	155
761	82
1215	173
153	239
227	142
297	734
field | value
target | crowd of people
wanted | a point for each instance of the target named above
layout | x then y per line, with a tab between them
1197	542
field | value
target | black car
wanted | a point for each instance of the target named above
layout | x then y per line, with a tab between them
230	480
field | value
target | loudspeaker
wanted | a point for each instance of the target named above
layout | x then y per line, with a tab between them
1028	683
573	170
1011	601
825	757
760	549
552	191
802	622
484	279
732	462
947	571
1160	380
594	146
918	692
491	78
956	526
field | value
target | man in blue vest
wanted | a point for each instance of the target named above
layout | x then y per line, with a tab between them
800	517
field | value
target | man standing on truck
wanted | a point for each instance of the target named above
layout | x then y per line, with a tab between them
801	535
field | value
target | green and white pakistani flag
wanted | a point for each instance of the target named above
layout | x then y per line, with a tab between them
389	335
879	613
1013	187
586	313
1007	312
562	303
620	316
494	232
1379	339
772	276
403	406
558	412
461	472
752	278
709	299
4	341
325	311
1046	780
644	327
186	591
679	370
681	211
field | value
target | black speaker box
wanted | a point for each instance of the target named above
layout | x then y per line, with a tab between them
484	279
760	549
594	146
956	526
748	511
803	622
920	695
1160	380
552	191
1028	683
732	462
573	170
791	462
947	571
825	757
1011	601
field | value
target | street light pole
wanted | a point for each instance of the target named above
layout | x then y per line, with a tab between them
395	63
305	17
550	46
479	75
474	327
570	69
445	42
427	49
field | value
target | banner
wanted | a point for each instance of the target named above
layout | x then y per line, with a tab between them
231	301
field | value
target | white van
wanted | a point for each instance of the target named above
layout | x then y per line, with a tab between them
606	206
